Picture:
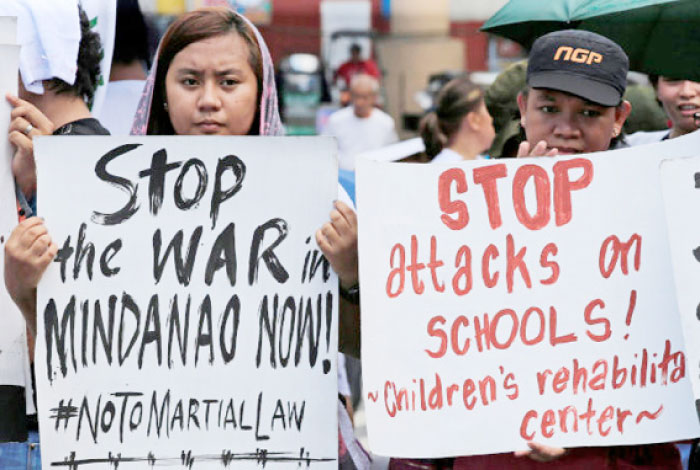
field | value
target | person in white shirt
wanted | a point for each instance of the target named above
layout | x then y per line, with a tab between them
360	126
460	127
130	63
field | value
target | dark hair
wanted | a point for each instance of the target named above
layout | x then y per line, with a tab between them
131	37
192	27
455	100
355	48
88	70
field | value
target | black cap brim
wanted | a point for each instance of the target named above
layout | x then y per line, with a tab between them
577	85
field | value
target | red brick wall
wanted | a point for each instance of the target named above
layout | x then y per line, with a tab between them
476	44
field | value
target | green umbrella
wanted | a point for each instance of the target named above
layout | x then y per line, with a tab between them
659	36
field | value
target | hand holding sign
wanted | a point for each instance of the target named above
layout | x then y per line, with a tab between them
541	452
338	242
539	150
28	252
27	123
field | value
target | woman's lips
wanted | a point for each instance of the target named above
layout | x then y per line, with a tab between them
209	126
688	110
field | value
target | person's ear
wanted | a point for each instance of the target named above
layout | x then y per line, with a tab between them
522	106
472	120
622	112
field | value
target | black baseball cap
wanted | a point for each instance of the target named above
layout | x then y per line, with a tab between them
581	63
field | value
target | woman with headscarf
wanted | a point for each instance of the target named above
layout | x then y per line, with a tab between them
213	75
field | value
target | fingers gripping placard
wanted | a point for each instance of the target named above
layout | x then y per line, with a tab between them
189	318
536	294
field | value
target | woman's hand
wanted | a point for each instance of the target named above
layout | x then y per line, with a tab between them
539	150
27	123
542	453
28	252
338	242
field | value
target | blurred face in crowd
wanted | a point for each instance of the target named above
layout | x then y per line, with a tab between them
363	95
211	89
681	100
568	123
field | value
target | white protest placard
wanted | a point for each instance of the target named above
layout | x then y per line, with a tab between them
14	358
680	180
189	318
520	300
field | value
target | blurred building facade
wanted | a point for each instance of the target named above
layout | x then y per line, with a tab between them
295	25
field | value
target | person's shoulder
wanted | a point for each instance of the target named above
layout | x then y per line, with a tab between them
87	126
341	114
344	66
382	116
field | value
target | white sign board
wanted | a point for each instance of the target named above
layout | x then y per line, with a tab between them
189	318
681	189
533	293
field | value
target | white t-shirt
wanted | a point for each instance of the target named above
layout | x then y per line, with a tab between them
356	135
121	100
641	137
450	156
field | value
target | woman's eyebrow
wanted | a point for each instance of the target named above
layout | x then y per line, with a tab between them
228	71
188	71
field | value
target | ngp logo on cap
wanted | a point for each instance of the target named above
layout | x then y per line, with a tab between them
578	55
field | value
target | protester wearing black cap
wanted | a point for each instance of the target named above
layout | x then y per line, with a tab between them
573	103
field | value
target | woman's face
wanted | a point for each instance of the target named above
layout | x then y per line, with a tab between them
568	123
681	100
211	89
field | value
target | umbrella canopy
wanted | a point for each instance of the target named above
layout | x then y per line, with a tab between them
659	36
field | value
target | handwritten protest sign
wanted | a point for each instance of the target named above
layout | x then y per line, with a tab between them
189	318
681	189
14	356
520	300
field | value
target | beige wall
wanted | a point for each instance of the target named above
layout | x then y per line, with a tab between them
408	62
420	16
475	10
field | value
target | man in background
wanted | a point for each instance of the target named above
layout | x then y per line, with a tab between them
355	66
360	126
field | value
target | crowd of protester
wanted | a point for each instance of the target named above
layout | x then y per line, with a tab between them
535	113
